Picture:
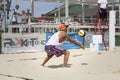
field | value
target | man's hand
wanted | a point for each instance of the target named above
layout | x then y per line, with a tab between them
82	47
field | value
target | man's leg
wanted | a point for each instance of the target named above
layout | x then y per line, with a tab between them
46	60
105	21
102	22
99	23
66	57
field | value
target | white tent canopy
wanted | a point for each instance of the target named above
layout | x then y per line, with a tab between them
67	2
76	1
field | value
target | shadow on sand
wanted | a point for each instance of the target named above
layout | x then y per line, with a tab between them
59	66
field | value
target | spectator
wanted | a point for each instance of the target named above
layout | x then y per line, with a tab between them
14	19
28	14
23	17
16	8
42	18
75	19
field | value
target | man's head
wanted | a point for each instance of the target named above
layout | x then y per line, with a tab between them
28	10
63	27
17	6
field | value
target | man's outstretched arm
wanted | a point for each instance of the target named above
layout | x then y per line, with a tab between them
75	42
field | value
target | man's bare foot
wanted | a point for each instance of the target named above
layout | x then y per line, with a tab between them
66	66
42	64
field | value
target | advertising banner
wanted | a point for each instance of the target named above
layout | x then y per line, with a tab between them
14	43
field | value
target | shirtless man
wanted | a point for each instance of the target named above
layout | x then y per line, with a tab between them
53	46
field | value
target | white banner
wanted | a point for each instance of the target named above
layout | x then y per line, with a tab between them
30	42
96	43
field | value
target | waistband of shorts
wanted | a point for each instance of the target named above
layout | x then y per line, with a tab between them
47	47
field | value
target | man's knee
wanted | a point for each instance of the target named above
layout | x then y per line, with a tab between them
66	52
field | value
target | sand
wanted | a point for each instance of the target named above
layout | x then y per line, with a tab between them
82	65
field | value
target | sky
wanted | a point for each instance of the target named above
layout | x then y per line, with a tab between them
39	7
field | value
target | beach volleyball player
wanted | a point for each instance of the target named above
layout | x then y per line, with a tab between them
53	46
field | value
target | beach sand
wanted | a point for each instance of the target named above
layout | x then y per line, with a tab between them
82	65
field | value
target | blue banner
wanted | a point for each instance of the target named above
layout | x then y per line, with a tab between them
67	44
